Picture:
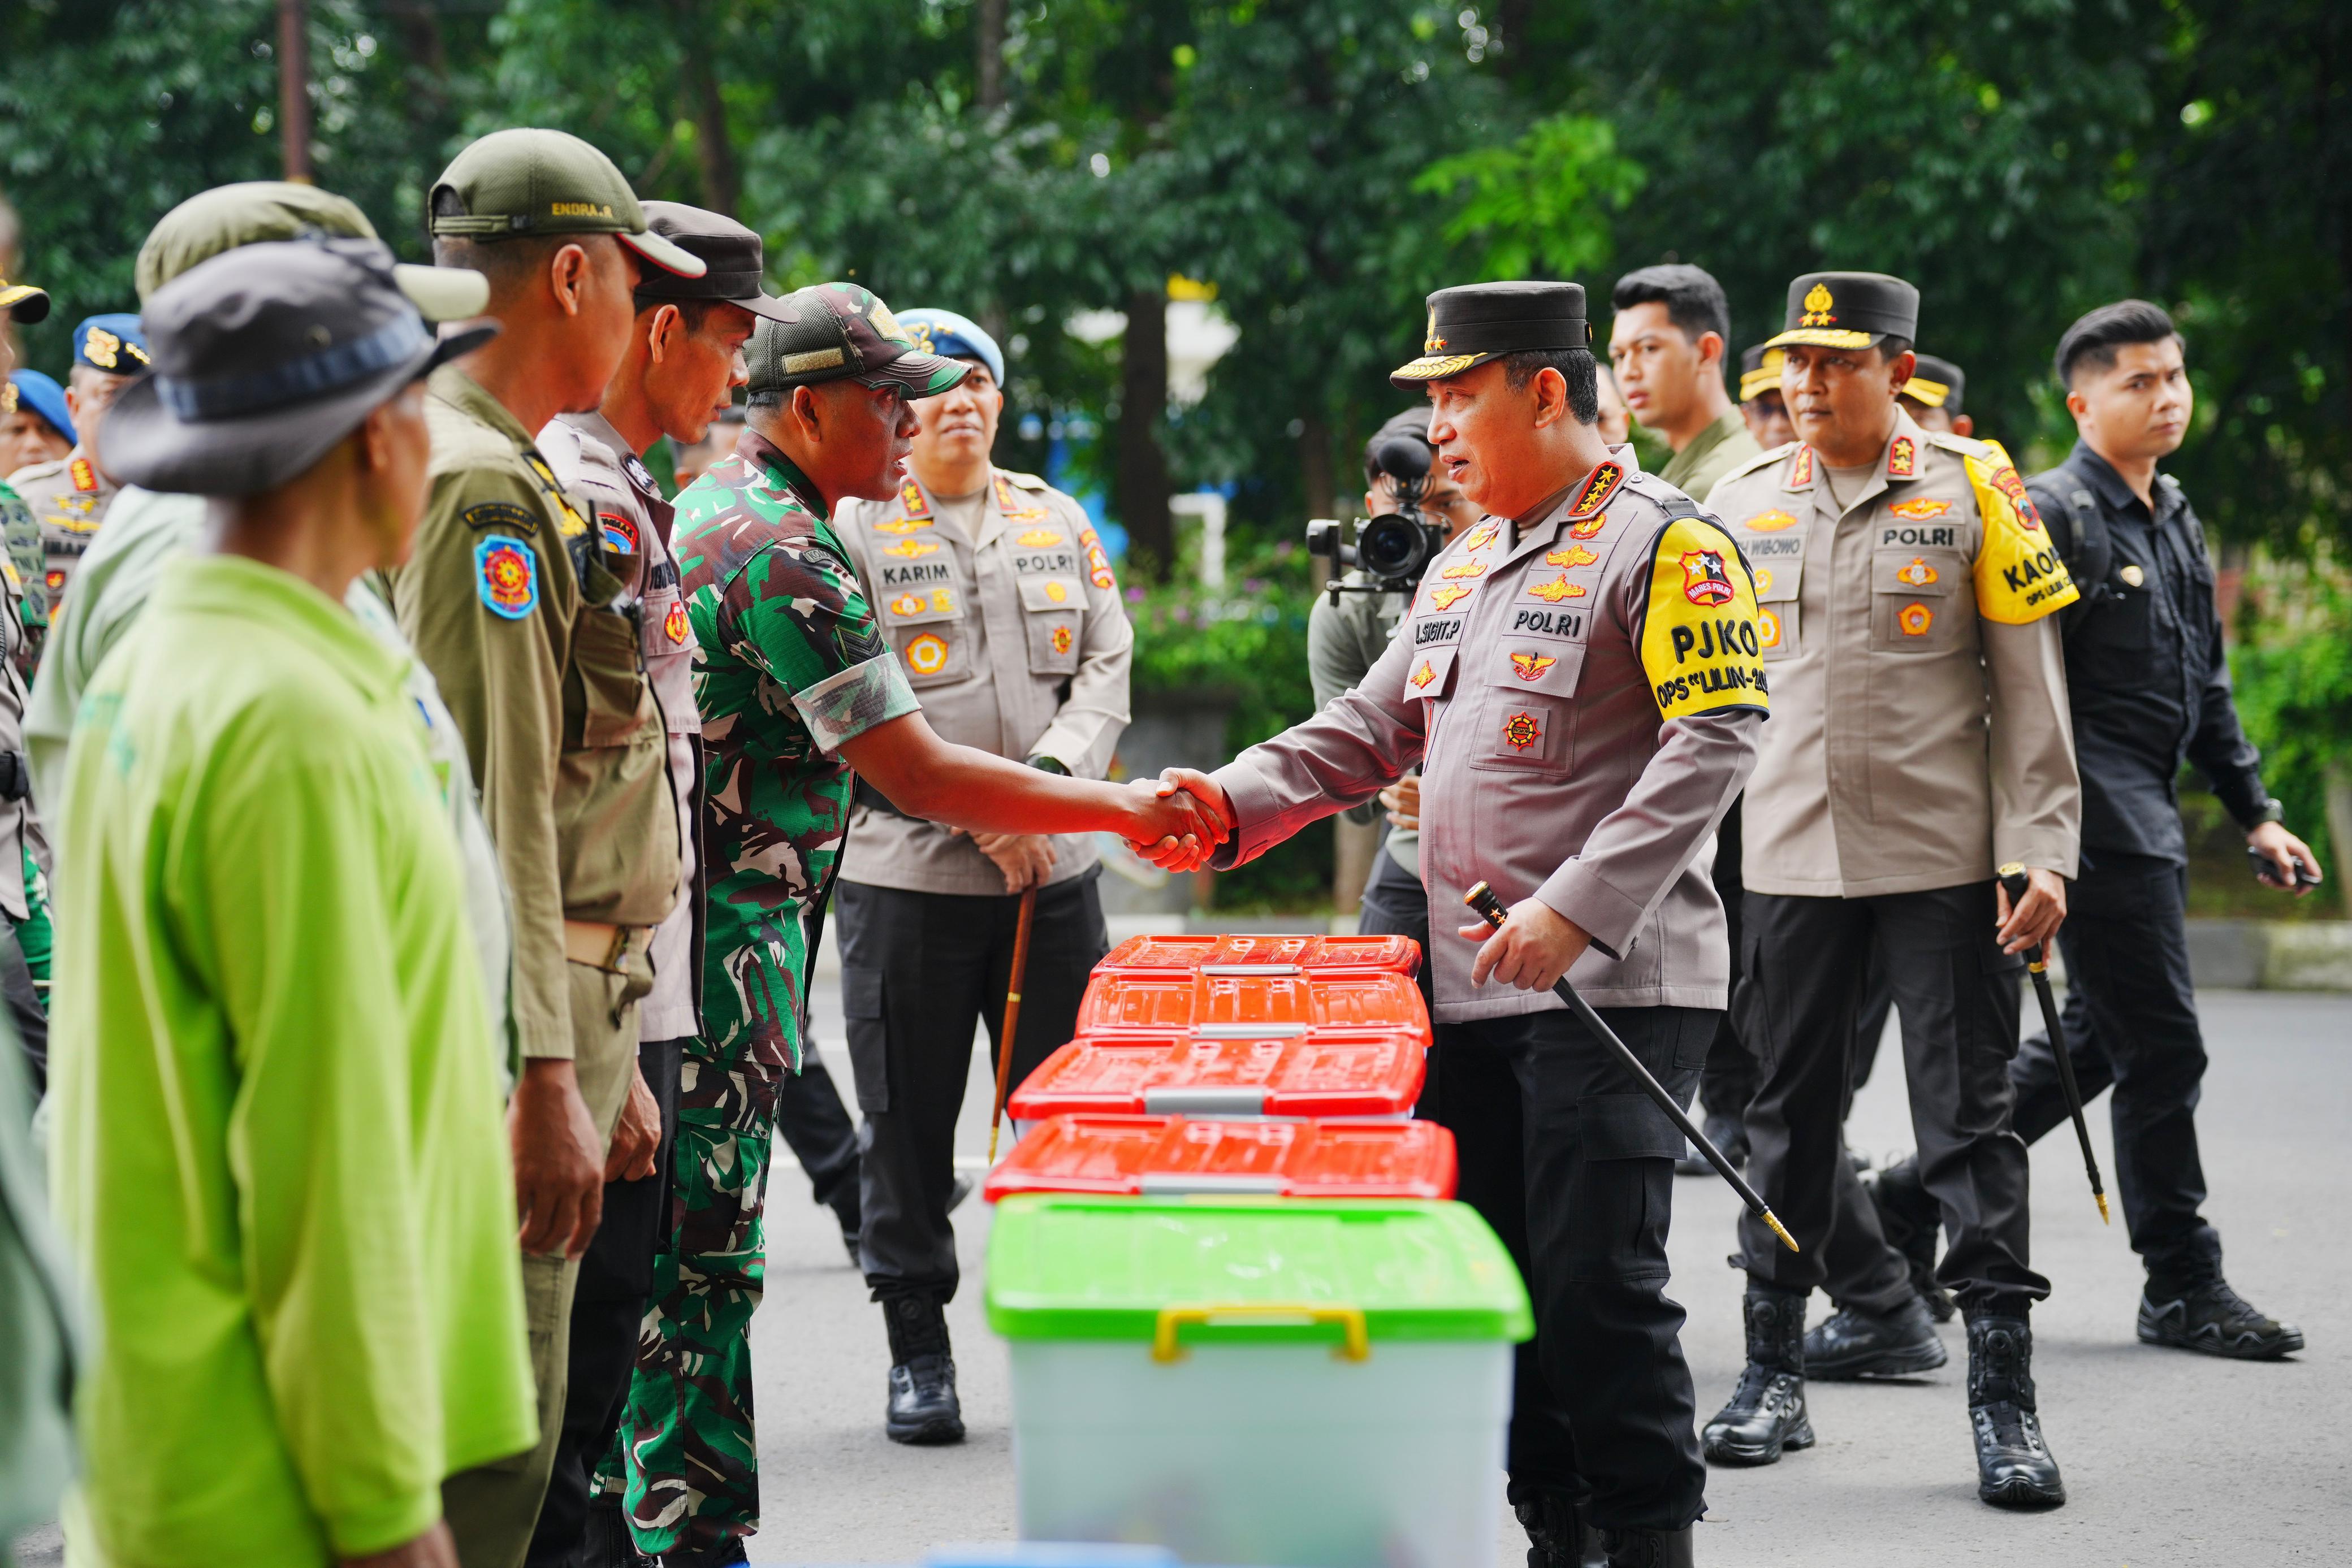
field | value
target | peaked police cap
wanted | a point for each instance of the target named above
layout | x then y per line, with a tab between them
1474	322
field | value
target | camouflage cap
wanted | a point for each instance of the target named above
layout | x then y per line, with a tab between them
258	212
831	332
527	182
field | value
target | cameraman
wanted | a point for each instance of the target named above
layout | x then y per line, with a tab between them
1343	640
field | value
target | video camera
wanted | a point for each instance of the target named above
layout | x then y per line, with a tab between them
1394	549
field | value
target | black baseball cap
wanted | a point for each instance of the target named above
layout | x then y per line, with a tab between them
265	357
836	331
1848	310
1937	383
1474	322
734	262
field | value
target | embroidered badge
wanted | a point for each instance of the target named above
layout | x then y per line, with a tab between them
2132	575
2005	480
1919	574
1522	730
1461	569
907	604
928	654
1527	666
1574	555
1423	675
1433	343
1819	302
101	348
1101	578
1589	526
1902	458
1915	618
910	500
1447	598
502	515
1704	580
1597	489
1481	536
1920	510
1061	639
620	532
54	577
910	549
903	525
571	525
1763	576
1801	469
944	601
640	477
1039	538
1768	626
509	576
1056	592
674	623
1770	522
85	478
1558	589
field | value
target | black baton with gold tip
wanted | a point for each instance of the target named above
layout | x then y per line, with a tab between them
2037	964
1482	898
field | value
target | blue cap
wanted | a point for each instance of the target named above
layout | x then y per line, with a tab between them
41	395
113	342
953	336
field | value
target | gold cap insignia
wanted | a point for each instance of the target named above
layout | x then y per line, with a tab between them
1818	305
1433	343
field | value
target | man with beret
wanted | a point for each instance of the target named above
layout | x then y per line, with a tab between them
999	604
35	425
1760	403
1667	344
1921	744
684	360
1579	681
520	604
70	496
796	686
277	1103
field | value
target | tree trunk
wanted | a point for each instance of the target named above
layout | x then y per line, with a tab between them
294	88
2339	829
722	184
1142	466
989	65
1315	476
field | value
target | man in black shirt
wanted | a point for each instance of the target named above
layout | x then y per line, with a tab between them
2149	688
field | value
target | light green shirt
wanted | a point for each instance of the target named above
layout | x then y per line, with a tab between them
1713	453
278	1154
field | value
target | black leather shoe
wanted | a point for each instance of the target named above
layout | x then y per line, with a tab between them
1558	1536
1766	1413
1649	1548
923	1405
1851	1344
2214	1320
1911	1221
1728	1133
2014	1467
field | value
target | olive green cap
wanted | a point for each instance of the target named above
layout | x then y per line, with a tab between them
512	184
259	212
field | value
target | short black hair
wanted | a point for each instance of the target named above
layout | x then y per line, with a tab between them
1891	348
2094	339
766	397
1692	298
1412	422
696	313
1577	367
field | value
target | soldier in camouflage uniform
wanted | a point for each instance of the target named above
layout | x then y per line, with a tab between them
20	833
796	687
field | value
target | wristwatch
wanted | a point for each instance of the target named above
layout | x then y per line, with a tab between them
1047	765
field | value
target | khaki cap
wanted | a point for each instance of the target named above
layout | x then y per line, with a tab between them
516	184
259	212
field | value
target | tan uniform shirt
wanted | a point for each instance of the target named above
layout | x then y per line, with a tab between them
1920	736
70	499
1015	642
512	599
1583	694
592	457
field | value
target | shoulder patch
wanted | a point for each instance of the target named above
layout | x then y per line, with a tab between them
620	531
85	476
1598	488
1026	481
1965	447
2018	575
1761	460
503	515
506	575
1702	646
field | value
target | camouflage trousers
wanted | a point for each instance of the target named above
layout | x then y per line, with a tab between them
687	1461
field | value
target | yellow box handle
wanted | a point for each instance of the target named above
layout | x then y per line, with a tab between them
1355	1340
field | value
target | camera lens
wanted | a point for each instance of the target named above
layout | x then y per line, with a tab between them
1392	545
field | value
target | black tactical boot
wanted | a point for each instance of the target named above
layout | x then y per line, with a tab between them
1851	1344
923	1405
1649	1548
1558	1536
1766	1412
2014	1466
1911	1221
2189	1305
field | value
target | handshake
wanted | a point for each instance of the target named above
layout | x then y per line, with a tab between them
1180	819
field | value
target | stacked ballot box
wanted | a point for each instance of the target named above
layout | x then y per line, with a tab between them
1247	1323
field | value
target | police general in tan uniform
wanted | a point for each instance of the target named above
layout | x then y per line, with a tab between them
70	496
1579	678
999	602
1920	740
521	607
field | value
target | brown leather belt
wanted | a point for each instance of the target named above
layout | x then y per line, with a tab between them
600	945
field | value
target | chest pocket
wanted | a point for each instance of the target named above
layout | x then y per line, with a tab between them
1920	600
607	653
1526	718
1053	612
920	599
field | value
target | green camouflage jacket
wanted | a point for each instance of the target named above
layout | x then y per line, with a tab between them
790	665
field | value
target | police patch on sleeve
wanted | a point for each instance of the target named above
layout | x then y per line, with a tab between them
1702	646
2019	577
506	575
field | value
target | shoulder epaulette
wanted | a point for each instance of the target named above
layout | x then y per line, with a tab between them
1964	445
1760	461
1026	481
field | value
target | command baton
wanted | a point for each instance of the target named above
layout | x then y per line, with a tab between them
2037	964
1482	898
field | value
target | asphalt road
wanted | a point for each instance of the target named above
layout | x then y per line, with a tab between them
2170	1457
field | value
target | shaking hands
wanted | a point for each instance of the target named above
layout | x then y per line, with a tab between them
1182	816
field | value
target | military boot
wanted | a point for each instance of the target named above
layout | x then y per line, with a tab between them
1649	1548
2190	1306
1851	1344
1911	1222
923	1405
2014	1467
1558	1536
1766	1412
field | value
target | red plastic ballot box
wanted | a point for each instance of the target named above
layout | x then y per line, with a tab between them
1143	1156
1265	953
1373	1073
1209	1004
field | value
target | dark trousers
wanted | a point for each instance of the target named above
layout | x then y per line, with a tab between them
1729	1080
616	1276
2131	1022
1805	975
1573	1167
1397	904
815	1125
919	971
